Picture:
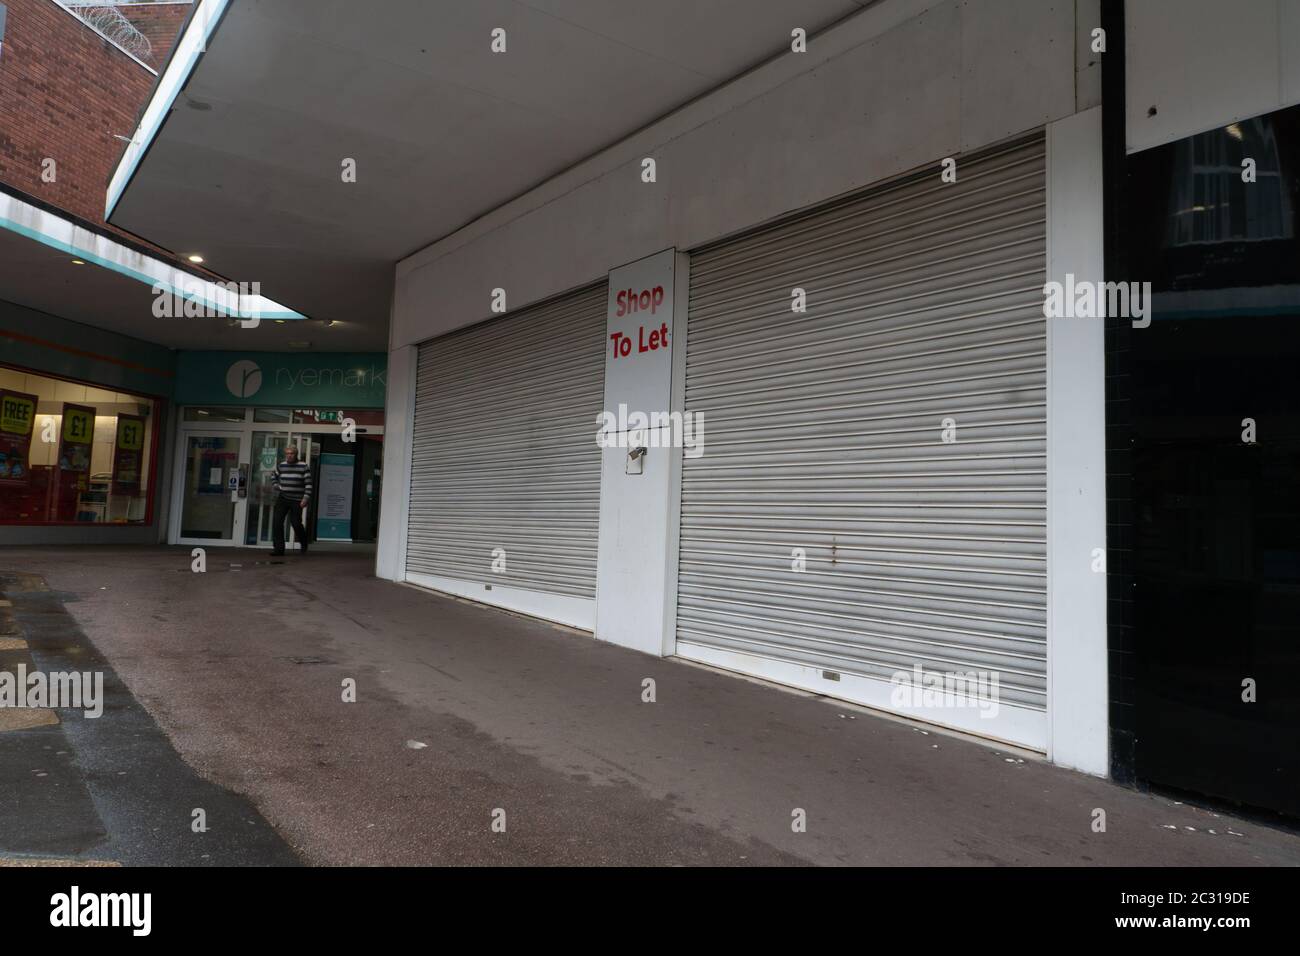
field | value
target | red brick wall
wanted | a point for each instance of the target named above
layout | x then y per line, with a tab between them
160	23
64	92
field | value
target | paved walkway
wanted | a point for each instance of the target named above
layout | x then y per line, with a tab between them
107	790
464	715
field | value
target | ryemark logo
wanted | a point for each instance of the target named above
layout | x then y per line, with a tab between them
243	379
330	378
58	690
75	909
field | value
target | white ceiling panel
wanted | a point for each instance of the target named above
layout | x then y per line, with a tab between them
246	168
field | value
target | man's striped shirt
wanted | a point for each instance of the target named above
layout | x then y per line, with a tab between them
292	481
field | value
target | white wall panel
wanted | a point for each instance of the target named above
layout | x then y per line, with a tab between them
1025	78
902	84
1205	63
395	497
1076	456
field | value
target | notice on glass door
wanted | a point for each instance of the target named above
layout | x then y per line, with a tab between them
334	508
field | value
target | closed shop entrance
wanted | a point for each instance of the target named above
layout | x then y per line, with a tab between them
505	477
868	519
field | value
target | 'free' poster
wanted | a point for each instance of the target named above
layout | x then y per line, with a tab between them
17	420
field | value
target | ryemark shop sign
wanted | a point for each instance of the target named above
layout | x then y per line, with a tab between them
327	379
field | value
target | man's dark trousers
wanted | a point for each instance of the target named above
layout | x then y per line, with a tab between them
293	509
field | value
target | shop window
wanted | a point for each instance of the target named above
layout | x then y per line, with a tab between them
1217	211
1210	200
213	414
72	453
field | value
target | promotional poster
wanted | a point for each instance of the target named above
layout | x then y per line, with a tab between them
17	420
128	451
77	434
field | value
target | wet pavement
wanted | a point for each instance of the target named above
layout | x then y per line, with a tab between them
107	788
482	737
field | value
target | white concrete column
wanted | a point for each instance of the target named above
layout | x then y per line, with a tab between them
395	495
636	572
1076	455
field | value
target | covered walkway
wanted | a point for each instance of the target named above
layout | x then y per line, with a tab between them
463	711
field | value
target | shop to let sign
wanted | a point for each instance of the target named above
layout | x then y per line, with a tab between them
638	334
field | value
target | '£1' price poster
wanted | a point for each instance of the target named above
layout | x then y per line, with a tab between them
127	454
76	436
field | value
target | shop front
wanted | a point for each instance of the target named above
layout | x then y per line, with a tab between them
74	453
238	414
853	455
83	430
862	512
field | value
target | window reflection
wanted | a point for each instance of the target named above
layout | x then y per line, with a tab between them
1210	201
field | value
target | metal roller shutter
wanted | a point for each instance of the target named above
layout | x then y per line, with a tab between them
505	453
823	432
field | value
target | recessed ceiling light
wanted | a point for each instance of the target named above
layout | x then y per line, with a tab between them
195	258
78	262
279	321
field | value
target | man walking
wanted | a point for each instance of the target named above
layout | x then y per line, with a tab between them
292	482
